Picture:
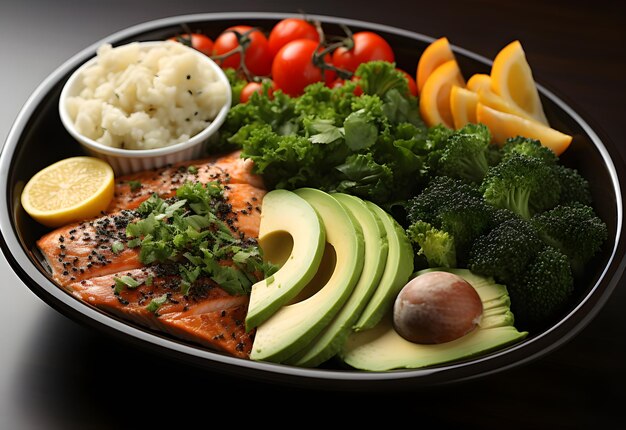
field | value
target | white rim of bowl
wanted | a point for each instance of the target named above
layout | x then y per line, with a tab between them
143	153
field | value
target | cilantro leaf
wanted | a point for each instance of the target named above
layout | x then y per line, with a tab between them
187	231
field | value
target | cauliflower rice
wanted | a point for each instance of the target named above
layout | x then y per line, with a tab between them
138	98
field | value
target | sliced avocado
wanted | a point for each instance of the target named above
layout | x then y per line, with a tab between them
382	348
294	325
291	235
398	269
332	337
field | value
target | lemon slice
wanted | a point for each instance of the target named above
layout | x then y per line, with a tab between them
435	54
463	106
435	97
512	79
504	125
69	190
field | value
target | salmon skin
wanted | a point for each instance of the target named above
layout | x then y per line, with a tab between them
83	259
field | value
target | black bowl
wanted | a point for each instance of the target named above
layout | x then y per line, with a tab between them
38	139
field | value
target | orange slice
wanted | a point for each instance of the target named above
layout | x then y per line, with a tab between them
512	79
504	125
463	106
435	96
435	54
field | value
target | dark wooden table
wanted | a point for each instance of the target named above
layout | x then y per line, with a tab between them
55	374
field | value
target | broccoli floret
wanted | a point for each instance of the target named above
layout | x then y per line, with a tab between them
575	230
454	207
526	185
435	245
465	155
574	188
528	147
543	290
505	251
494	155
502	215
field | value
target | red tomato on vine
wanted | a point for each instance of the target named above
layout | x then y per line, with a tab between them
290	29
294	68
258	58
368	46
197	41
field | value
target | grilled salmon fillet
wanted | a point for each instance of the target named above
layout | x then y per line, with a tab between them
84	250
229	169
82	259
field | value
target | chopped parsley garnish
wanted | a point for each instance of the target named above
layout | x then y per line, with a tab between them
134	185
192	169
186	231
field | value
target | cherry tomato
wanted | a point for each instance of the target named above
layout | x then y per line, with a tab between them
411	82
251	88
258	58
291	29
197	41
293	67
368	46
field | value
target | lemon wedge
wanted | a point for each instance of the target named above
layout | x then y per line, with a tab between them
69	190
512	79
462	106
481	85
494	101
479	81
434	100
435	54
504	125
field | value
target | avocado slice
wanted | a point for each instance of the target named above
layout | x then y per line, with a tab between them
294	325
398	269
332	337
382	348
292	235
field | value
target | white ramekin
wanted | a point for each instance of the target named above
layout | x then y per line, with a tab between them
125	161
